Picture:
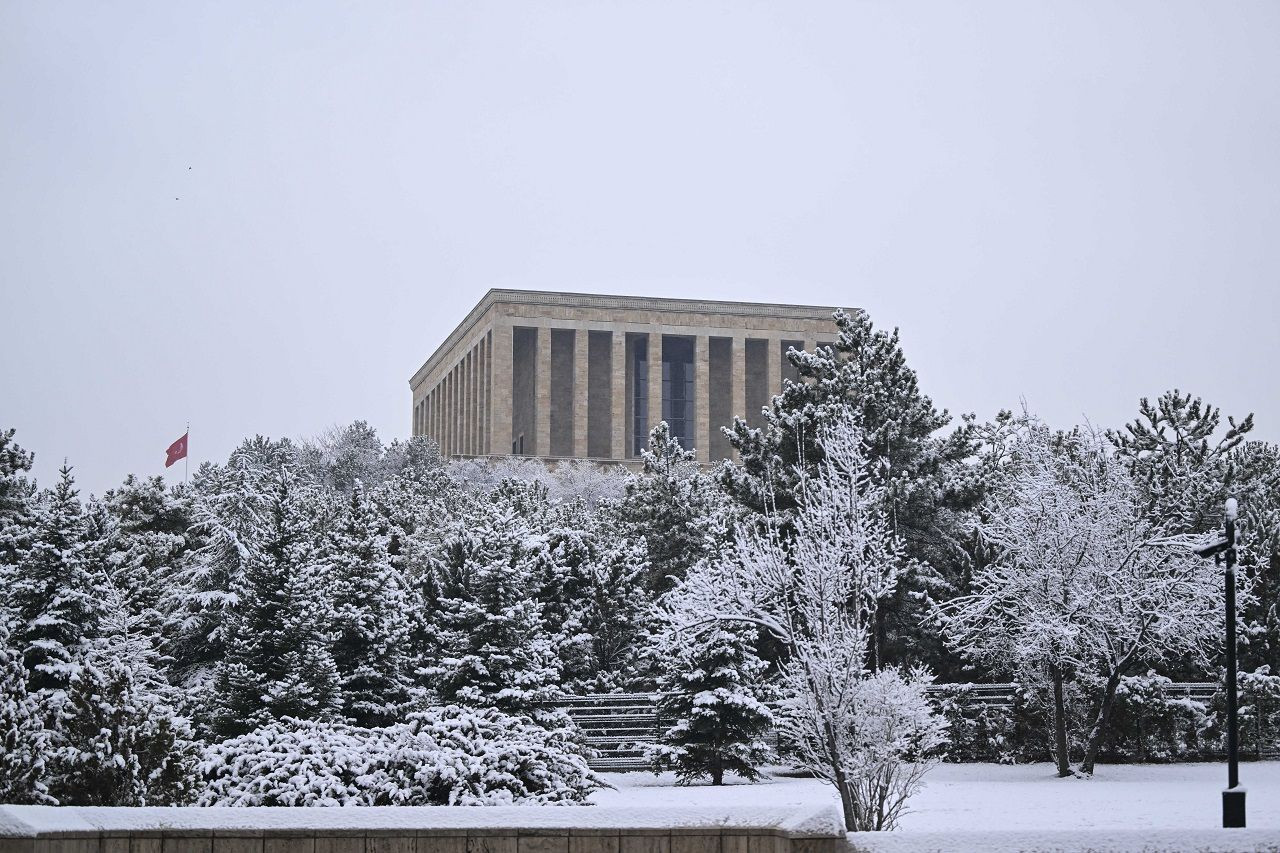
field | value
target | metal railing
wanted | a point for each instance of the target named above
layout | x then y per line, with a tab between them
620	725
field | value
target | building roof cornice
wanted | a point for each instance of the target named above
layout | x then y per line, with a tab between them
504	296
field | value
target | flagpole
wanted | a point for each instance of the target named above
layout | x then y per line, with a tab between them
186	457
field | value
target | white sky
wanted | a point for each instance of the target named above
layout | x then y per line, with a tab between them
264	217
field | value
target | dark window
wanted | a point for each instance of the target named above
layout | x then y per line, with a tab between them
677	388
639	395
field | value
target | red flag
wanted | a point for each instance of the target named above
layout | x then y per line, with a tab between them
176	451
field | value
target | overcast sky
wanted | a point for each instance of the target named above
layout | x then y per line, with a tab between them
262	218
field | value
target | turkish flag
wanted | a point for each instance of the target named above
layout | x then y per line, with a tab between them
176	451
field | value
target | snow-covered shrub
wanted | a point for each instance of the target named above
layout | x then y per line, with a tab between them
1150	724
1260	711
1258	695
977	731
895	739
443	756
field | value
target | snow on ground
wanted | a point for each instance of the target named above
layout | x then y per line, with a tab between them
1019	797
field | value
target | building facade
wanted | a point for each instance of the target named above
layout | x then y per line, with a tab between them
568	375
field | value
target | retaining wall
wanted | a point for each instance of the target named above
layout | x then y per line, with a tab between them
46	829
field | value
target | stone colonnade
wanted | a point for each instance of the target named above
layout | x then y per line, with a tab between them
560	388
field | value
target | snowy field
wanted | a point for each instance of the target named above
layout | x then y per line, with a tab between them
1042	811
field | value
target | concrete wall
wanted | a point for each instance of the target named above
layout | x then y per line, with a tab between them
461	829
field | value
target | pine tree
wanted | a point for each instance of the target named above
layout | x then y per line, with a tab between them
278	637
53	593
24	742
708	690
371	612
146	543
1257	486
1171	450
675	508
231	508
120	741
928	488
343	456
494	650
16	502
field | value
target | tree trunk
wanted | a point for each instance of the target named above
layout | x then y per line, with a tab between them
1100	723
717	772
881	634
1060	724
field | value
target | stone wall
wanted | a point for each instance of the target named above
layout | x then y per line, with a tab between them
42	829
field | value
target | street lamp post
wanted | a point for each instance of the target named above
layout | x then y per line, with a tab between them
1233	797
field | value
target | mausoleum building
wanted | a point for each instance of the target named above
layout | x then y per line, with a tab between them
570	375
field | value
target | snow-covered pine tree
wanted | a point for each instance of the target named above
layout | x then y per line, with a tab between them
494	650
53	594
17	498
615	614
590	583
24	741
928	488
715	721
148	538
341	456
371	611
1257	486
231	508
676	509
120	741
1175	453
279	634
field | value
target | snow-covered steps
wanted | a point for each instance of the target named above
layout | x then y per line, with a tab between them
512	829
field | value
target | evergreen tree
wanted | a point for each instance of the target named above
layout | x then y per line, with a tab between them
928	486
24	742
147	541
278	637
231	508
342	456
120	740
615	615
675	508
1172	452
371	612
591	584
17	496
1257	486
708	690
494	649
53	592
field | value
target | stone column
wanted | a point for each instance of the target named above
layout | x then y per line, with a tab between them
446	414
485	403
437	404
702	398
542	394
473	434
502	371
581	392
655	382
468	368
455	408
618	394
